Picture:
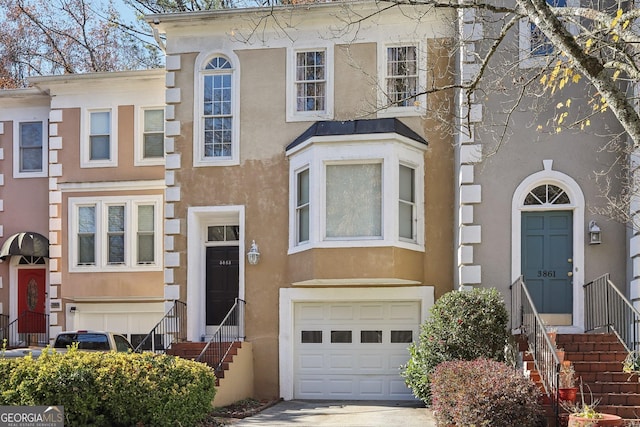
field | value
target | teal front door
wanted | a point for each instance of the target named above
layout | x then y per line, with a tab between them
547	263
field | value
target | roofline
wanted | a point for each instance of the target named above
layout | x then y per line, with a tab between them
331	130
28	92
68	78
159	18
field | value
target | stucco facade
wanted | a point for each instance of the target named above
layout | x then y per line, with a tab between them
512	147
253	191
366	199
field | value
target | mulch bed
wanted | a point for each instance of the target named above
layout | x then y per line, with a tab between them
244	408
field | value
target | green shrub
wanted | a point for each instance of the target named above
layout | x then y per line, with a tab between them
484	392
462	326
111	389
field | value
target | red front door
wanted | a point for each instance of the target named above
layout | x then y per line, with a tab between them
31	300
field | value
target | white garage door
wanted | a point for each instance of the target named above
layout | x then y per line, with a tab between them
353	350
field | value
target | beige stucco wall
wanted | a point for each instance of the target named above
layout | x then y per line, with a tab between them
260	184
237	383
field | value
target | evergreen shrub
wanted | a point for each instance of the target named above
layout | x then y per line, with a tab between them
463	325
111	389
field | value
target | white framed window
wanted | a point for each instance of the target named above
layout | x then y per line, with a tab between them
302	206
407	203
402	79
150	136
30	149
535	48
115	233
346	194
216	133
100	146
310	84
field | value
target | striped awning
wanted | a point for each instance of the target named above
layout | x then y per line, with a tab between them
26	243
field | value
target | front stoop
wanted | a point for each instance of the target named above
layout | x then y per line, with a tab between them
191	351
234	381
597	359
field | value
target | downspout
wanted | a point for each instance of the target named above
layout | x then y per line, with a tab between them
157	38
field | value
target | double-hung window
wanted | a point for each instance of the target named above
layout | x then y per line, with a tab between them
402	75
100	135
30	142
406	203
152	134
310	84
311	80
217	128
402	79
99	150
115	233
535	47
539	43
302	206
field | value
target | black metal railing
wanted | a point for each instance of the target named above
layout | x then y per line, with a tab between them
605	307
4	322
170	329
229	332
29	329
525	317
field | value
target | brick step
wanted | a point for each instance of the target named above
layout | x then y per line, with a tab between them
619	399
596	356
562	339
191	350
597	360
594	377
592	366
612	387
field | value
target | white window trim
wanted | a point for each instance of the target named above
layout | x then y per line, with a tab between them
298	116
139	159
101	251
527	59
415	110
296	223
16	148
198	218
85	144
390	150
199	160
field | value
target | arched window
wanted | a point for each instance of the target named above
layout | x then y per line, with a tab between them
217	109
547	194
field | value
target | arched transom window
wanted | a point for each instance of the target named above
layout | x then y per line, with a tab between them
547	194
217	109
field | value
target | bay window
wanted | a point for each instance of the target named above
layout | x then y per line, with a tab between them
368	191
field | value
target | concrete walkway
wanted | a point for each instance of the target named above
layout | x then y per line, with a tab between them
326	413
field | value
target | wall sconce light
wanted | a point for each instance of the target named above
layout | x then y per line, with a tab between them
594	233
253	256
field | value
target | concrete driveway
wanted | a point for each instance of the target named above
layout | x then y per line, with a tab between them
326	413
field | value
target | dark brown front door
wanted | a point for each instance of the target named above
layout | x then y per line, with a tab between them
223	274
